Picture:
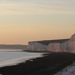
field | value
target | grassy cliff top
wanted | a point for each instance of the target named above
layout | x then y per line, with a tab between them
46	42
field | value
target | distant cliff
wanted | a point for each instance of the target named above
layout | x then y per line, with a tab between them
13	46
62	45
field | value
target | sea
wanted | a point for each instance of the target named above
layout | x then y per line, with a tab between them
9	57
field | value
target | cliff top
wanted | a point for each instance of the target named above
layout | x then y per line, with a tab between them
46	42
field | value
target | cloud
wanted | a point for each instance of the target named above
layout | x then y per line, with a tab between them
25	7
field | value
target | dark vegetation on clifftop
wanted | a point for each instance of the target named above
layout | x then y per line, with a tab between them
46	42
47	65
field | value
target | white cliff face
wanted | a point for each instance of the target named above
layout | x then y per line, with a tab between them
55	47
64	46
34	46
72	38
72	43
68	46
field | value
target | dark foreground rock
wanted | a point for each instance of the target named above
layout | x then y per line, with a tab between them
50	63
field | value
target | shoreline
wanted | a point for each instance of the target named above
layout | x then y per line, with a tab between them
11	58
36	51
50	63
70	70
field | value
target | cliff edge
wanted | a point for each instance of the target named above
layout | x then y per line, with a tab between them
64	45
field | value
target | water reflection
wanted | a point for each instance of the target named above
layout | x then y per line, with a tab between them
12	58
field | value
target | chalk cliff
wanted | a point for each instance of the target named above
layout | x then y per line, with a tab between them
35	46
67	46
55	47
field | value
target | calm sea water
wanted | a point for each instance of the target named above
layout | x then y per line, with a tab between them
12	57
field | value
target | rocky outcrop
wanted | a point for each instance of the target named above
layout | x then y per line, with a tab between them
68	46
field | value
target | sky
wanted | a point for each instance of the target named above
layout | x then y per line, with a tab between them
22	21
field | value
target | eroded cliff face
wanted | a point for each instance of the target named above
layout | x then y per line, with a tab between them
68	46
55	47
34	46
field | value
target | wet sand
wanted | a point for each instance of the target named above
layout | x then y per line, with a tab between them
50	64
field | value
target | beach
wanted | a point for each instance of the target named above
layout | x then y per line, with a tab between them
49	64
70	70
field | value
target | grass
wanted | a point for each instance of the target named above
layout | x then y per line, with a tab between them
46	42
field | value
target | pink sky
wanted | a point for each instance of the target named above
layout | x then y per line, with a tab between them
23	21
